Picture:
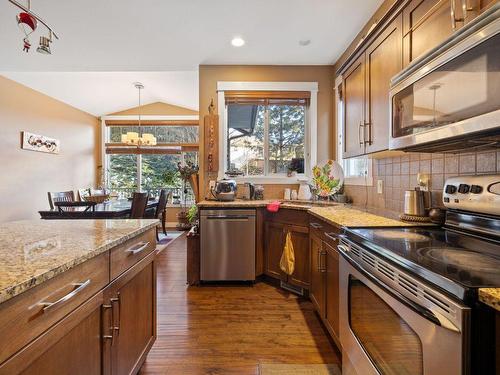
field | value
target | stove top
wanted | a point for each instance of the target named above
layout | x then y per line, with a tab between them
458	263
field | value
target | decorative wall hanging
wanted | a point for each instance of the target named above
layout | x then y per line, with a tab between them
211	124
35	142
28	21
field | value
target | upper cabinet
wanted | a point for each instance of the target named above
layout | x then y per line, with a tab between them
366	93
411	30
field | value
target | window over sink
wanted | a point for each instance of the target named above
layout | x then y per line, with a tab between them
269	130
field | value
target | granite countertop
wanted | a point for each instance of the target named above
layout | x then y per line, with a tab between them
34	251
337	214
490	297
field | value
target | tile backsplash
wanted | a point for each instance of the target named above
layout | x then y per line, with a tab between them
400	173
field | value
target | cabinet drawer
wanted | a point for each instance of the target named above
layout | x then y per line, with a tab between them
26	316
129	253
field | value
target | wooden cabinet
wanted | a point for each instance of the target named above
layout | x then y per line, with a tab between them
85	325
317	289
332	291
132	329
383	61
427	23
71	347
324	288
276	228
354	109
274	248
366	93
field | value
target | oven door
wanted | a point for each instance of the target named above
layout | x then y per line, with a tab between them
452	93
384	332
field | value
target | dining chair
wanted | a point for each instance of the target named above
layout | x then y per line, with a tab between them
139	203
161	210
83	193
62	196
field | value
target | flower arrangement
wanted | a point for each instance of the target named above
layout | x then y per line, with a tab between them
324	180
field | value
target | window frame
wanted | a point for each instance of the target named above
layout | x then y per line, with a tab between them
106	139
349	179
310	131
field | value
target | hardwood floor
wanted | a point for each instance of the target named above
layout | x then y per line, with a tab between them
229	329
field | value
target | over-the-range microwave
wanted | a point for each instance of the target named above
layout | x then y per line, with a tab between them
449	100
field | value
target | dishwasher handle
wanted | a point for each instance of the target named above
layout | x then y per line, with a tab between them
229	217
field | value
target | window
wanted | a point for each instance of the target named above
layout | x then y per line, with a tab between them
266	139
151	171
267	132
357	171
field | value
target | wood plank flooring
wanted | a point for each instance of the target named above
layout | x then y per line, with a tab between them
229	329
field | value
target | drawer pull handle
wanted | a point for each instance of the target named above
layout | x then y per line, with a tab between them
135	250
49	306
332	236
316	225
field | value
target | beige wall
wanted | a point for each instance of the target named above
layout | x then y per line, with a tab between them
157	108
27	176
324	75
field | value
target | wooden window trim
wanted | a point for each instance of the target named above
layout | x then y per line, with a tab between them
268	97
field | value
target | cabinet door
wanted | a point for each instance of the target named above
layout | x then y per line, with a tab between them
274	248
71	347
316	291
354	107
300	240
332	291
133	301
427	23
383	61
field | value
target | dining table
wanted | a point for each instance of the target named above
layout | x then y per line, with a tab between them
113	209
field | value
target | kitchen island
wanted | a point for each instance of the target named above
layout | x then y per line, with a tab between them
82	290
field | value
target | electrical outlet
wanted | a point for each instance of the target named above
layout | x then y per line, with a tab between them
380	186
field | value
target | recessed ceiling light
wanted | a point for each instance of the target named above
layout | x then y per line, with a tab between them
237	42
304	42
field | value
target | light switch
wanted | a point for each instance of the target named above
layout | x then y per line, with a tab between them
380	186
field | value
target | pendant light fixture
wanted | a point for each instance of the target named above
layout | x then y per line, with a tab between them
28	21
137	138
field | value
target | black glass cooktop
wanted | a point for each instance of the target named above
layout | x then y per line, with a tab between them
442	257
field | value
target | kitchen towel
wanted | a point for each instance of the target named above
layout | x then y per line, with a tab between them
287	261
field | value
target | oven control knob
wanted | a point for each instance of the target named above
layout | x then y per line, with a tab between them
463	188
451	189
476	189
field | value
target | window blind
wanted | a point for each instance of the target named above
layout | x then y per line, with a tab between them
268	97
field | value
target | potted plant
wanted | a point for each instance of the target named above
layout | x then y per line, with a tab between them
188	173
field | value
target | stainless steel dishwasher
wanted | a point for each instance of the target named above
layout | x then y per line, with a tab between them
227	245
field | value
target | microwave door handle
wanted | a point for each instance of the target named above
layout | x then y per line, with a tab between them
431	316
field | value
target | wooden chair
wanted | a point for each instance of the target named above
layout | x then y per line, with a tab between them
63	196
139	203
161	210
83	193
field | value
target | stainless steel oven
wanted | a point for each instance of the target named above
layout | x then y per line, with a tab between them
392	323
450	99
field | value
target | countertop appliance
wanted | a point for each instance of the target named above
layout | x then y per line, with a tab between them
224	190
414	203
409	296
248	191
448	99
227	245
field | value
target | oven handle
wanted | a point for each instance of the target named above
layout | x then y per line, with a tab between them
431	316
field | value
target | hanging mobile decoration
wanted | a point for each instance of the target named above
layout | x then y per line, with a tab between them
28	21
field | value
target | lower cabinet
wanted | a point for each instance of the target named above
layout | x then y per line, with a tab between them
324	289
317	289
73	346
295	223
130	313
331	317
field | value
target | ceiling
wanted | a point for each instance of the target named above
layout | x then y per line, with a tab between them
100	93
155	36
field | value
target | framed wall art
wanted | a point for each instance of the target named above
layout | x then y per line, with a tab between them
40	143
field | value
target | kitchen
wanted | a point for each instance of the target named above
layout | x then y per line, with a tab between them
344	219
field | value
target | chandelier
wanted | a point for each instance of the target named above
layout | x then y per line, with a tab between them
135	138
